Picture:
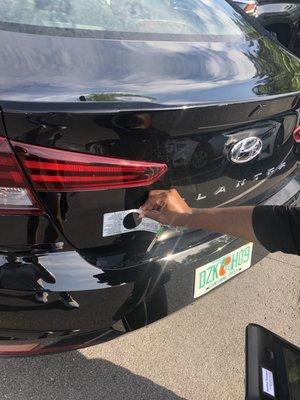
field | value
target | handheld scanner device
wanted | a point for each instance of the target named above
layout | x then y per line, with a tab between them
272	366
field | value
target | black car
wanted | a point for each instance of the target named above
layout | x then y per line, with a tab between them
101	102
282	18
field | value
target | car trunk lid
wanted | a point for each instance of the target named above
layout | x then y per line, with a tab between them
181	104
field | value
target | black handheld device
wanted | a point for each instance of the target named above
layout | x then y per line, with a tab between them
272	366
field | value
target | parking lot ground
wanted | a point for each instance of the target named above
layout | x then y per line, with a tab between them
196	353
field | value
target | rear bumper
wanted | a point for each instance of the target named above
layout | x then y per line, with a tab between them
105	304
127	301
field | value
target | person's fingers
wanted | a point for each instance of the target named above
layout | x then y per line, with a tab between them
152	214
167	200
158	192
153	201
163	217
160	205
149	205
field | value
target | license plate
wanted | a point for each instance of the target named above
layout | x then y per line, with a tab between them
221	270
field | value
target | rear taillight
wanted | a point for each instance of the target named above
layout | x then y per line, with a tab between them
15	194
68	171
296	135
250	8
17	349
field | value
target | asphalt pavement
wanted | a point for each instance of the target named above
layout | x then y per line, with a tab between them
196	353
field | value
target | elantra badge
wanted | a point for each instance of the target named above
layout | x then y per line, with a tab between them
245	150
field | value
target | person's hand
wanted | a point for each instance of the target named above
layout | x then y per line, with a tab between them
166	207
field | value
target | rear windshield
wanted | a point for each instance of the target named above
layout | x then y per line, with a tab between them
160	17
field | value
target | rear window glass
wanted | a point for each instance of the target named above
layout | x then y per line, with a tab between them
176	17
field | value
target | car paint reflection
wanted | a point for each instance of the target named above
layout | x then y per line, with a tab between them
27	274
171	72
198	156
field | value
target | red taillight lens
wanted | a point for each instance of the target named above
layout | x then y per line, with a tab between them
15	194
68	171
296	135
17	349
250	8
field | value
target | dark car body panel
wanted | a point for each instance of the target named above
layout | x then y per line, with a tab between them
94	95
281	18
155	72
138	296
200	186
183	83
273	13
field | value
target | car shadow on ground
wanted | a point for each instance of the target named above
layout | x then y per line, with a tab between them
71	376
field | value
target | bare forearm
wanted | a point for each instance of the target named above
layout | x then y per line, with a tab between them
169	208
234	221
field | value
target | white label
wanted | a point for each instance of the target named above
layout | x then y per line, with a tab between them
113	223
268	382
